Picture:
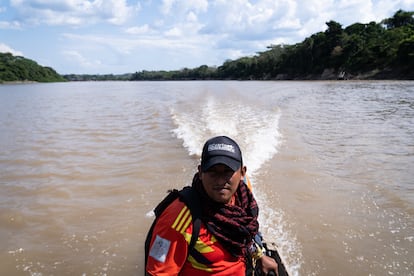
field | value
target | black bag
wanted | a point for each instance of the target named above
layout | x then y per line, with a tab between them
190	198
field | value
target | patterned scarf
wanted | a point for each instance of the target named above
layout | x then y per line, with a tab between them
233	225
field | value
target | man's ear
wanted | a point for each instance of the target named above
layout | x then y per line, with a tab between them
243	171
199	171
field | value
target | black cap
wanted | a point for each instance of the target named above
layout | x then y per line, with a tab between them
221	150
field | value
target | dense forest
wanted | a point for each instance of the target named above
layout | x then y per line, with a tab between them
382	50
16	68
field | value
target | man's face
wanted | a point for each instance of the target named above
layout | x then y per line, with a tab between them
221	182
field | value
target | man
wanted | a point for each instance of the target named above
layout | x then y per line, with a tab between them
229	221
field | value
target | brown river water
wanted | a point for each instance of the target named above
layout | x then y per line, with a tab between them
83	164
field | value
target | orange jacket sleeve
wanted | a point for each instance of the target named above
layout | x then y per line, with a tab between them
168	247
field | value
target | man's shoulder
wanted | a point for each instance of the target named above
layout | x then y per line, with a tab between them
179	203
176	205
174	209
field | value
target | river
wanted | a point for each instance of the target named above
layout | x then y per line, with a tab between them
82	164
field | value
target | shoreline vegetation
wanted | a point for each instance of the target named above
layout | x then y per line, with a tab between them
372	51
17	69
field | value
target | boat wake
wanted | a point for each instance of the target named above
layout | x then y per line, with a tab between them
256	130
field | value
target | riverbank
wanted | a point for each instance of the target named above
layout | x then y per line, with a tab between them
18	82
332	74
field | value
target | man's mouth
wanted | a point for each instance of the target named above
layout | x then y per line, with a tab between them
221	188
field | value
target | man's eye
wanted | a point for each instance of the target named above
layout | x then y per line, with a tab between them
212	172
228	173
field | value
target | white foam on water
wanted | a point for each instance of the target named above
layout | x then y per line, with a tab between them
256	130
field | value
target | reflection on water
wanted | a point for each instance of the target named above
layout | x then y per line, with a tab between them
83	164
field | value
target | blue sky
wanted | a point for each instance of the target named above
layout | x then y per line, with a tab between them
125	36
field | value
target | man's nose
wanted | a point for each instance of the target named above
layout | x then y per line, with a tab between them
222	178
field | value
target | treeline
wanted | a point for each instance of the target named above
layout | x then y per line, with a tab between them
16	68
92	77
382	50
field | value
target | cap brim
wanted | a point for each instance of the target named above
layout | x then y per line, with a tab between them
229	162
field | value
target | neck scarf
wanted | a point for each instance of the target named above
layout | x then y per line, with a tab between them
234	226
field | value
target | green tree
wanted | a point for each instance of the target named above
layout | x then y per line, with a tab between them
16	68
405	53
401	18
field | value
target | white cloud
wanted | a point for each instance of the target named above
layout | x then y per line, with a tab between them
243	20
118	11
173	7
149	52
192	17
7	49
196	6
10	25
139	30
73	12
77	58
166	6
174	32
